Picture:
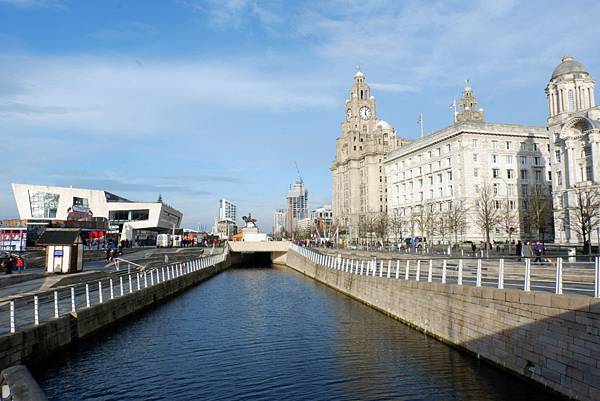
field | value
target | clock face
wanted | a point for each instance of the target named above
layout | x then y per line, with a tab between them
348	114
365	113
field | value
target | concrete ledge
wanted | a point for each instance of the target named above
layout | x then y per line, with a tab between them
21	384
553	340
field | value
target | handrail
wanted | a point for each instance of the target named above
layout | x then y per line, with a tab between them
118	260
488	272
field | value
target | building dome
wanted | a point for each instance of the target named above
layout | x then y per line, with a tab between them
359	74
384	125
568	66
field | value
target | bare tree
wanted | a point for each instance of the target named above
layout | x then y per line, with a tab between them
457	219
381	227
487	213
396	225
584	214
539	211
442	225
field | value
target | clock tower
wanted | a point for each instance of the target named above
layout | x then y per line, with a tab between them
359	193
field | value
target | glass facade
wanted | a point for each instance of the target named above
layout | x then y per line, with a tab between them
44	205
120	216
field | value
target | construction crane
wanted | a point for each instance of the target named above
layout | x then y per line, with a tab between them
298	170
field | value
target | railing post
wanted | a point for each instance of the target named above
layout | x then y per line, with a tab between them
407	270
478	280
381	268
100	297
527	279
121	285
56	313
73	306
389	268
444	270
36	310
162	270
168	273
351	265
112	291
559	276
597	277
138	280
398	268
430	271
87	295
146	279
12	317
501	273
418	273
374	264
460	271
362	266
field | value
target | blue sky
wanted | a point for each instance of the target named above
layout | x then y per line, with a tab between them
199	100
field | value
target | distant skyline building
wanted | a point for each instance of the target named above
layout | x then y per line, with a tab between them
227	210
297	205
358	180
225	222
279	222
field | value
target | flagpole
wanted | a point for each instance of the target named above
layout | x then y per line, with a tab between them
421	123
454	108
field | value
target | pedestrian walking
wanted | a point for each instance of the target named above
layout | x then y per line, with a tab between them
20	264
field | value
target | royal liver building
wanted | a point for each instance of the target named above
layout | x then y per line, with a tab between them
574	128
359	188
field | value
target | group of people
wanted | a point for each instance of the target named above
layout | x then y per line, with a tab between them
529	249
10	262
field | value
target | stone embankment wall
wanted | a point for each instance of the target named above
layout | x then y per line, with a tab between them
552	339
38	342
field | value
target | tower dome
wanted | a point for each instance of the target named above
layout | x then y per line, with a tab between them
568	66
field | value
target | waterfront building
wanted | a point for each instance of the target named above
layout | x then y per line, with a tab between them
574	129
436	184
227	210
297	205
359	187
49	205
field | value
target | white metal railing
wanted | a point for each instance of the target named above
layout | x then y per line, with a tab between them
558	277
33	309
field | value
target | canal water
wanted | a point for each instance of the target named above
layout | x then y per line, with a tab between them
270	334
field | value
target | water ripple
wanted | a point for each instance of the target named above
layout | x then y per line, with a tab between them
270	334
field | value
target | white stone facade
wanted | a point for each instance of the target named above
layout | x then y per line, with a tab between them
358	187
451	166
574	129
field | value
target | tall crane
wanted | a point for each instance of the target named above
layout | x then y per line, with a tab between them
298	170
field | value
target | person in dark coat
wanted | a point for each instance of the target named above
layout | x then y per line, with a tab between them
10	263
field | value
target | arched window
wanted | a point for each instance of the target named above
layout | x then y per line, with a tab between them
571	100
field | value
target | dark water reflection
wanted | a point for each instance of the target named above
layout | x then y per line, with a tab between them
271	334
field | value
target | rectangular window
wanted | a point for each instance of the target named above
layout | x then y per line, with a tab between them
498	204
474	143
81	202
507	145
523	174
475	172
449	175
495	188
448	148
535	147
495	172
537	160
510	174
430	180
44	205
557	156
475	155
476	188
523	160
494	144
538	175
494	158
524	189
509	159
511	189
523	146
137	215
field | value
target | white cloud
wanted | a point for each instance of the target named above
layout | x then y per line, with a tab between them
35	3
131	96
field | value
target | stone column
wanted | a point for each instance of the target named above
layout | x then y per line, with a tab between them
569	165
